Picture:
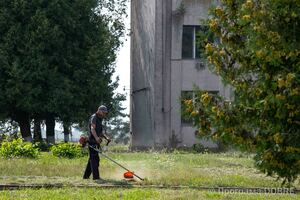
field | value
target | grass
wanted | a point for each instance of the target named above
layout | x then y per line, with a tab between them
229	169
159	168
132	194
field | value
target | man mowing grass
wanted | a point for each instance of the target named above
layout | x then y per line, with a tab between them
95	135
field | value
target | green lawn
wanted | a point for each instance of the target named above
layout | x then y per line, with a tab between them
132	194
184	169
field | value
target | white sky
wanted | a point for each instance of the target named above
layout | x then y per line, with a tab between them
123	65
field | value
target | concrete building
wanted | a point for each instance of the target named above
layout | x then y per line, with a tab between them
165	66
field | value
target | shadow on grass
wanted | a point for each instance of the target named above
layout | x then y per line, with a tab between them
116	183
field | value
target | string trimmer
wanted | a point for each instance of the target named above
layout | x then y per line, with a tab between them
128	174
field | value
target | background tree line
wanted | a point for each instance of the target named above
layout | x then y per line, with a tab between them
56	61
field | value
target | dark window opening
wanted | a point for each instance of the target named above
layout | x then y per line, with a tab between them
188	42
194	39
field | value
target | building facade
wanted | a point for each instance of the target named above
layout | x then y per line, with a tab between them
165	66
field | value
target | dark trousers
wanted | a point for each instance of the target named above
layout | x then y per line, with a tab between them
93	164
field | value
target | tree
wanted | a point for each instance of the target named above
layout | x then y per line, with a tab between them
259	57
119	129
57	59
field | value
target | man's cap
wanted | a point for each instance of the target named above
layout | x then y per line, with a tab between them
103	108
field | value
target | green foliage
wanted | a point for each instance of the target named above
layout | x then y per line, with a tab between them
61	54
119	129
17	148
67	150
43	146
259	57
203	36
199	148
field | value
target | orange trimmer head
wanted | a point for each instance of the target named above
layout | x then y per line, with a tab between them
128	174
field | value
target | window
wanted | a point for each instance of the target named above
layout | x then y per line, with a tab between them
188	42
194	39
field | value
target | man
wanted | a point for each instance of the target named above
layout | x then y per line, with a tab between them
95	135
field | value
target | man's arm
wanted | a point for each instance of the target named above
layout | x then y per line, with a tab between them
93	130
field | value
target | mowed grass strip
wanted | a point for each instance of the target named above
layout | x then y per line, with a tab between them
134	194
159	168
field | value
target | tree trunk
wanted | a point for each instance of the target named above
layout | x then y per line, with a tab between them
37	133
66	132
50	129
24	122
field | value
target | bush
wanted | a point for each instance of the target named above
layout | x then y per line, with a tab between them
42	146
67	150
199	148
17	148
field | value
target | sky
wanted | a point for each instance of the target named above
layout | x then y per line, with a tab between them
123	65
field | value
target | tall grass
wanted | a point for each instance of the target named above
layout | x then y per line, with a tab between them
229	169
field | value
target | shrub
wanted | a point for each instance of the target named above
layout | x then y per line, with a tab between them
42	146
17	148
67	150
199	148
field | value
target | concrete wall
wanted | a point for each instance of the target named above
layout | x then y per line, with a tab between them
142	71
162	73
150	73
